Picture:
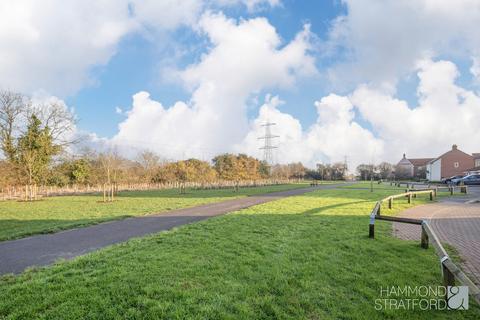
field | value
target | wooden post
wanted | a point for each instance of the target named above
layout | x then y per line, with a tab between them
431	195
371	227
379	211
435	192
448	277
409	198
390	203
424	241
452	190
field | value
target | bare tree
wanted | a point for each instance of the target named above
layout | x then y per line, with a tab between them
149	163
12	107
111	163
57	118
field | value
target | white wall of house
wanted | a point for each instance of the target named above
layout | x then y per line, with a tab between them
435	170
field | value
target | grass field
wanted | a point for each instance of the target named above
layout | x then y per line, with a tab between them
376	185
19	219
304	257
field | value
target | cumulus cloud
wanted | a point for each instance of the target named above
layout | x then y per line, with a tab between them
251	5
382	40
246	57
49	45
334	135
446	114
54	45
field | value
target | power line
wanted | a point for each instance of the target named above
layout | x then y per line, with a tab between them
268	145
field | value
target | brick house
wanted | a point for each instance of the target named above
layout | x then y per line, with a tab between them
410	168
451	163
476	158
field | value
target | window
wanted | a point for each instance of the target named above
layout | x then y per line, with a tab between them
456	164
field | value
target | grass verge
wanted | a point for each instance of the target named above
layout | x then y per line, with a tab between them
304	257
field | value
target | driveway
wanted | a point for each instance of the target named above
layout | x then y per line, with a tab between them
40	250
456	222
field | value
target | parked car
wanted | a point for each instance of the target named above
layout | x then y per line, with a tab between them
468	180
449	180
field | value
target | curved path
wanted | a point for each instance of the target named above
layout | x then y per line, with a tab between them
40	250
455	222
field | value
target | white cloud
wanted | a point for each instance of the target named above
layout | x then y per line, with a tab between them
334	135
54	45
118	110
166	14
252	5
475	68
446	114
50	45
382	40
246	56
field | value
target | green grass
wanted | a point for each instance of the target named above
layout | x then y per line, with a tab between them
304	257
376	186
19	219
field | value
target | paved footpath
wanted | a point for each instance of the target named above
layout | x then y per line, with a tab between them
455	222
40	250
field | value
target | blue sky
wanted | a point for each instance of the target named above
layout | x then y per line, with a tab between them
137	62
357	78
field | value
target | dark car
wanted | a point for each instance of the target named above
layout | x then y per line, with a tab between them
449	180
468	180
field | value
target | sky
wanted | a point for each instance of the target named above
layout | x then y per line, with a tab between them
363	79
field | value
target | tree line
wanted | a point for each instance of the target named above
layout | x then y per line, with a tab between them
384	171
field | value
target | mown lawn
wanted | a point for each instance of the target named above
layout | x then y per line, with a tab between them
304	257
19	219
376	185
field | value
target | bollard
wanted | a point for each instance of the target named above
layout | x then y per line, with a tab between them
409	198
431	195
390	203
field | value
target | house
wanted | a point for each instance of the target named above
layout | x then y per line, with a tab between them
451	163
476	158
474	170
409	168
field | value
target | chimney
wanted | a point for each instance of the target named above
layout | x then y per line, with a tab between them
404	157
454	147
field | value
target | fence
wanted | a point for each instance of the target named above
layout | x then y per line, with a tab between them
411	186
450	271
32	192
